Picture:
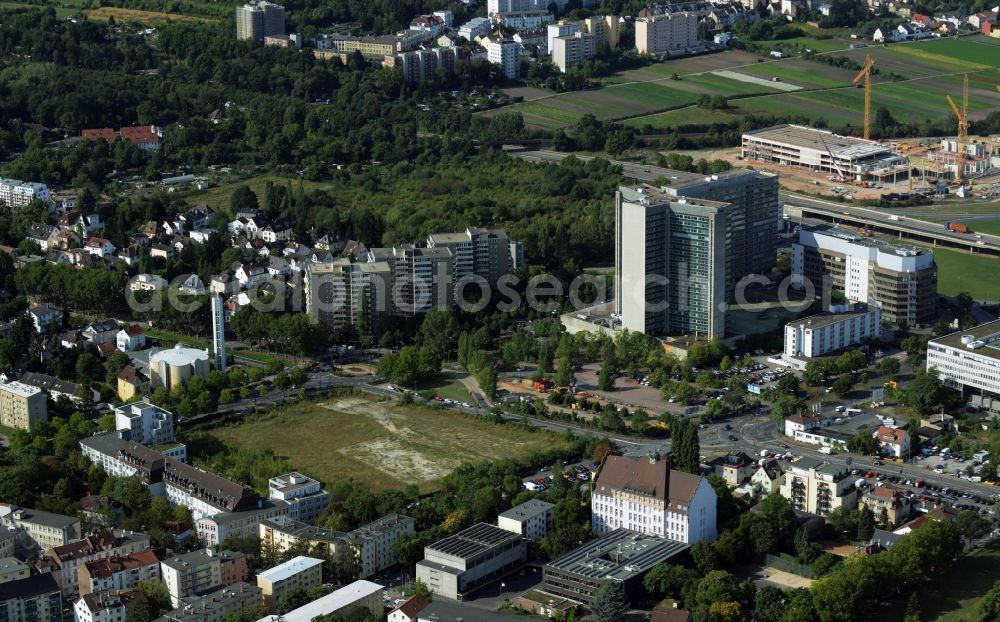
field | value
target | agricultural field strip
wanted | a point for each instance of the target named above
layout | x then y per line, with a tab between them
742	77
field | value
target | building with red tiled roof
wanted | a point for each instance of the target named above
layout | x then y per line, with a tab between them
648	496
104	133
145	137
407	612
119	573
893	441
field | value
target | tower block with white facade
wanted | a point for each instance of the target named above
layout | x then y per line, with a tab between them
218	332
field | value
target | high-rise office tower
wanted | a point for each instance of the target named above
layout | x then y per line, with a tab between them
670	262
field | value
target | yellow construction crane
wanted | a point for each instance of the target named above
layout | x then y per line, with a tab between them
866	73
963	127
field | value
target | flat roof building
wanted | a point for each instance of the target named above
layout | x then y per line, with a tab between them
822	151
44	528
300	572
621	555
215	606
144	423
532	519
840	327
258	19
358	594
968	360
34	599
901	280
22	406
469	558
305	496
818	487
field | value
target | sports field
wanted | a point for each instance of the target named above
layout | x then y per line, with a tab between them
382	443
925	73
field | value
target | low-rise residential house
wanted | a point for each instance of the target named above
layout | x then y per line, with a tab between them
101	510
145	137
766	480
192	286
224	283
45	317
200	236
162	251
131	338
130	255
132	382
64	239
105	331
804	421
250	275
71	339
197	217
894	442
56	387
735	467
147	283
121	573
276	231
99	247
39	233
408	610
888	504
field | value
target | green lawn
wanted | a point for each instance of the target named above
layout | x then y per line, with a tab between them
656	95
986	226
168	339
684	116
966	51
963	272
817	45
955	595
384	444
447	388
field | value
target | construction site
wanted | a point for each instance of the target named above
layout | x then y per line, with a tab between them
960	165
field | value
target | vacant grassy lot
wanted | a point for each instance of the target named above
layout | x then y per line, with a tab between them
685	116
144	17
806	73
967	50
986	226
964	272
217	196
818	45
382	443
447	388
956	594
61	12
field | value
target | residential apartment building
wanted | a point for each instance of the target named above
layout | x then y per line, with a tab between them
902	280
524	20
424	65
258	19
35	599
421	277
109	606
968	361
532	519
13	569
215	606
475	27
485	253
571	50
64	562
303	573
766	480
345	293
22	407
45	529
670	262
893	442
734	468
888	503
559	29
604	28
204	493
214	529
648	496
305	496
507	54
840	327
119	573
45	316
373	542
200	572
144	423
282	533
666	34
818	487
469	558
17	193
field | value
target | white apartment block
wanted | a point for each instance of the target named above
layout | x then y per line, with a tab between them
648	496
561	29
99	607
217	605
485	253
144	423
532	519
65	561
342	292
300	572
422	278
35	599
475	27
214	529
201	571
841	327
571	50
507	54
672	33
17	193
304	495
969	360
524	20
818	487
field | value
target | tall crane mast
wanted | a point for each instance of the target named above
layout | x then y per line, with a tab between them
866	73
963	127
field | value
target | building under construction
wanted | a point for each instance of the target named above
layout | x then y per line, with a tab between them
940	162
851	159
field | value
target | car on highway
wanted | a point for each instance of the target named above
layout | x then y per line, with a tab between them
733	438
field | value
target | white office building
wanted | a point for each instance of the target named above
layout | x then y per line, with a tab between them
304	495
144	423
969	360
532	519
17	193
507	54
648	496
840	327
